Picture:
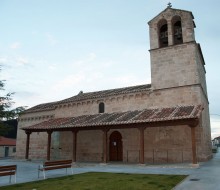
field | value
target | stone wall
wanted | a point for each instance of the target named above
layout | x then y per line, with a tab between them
89	143
11	152
174	66
38	141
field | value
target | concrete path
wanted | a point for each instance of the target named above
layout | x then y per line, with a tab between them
205	177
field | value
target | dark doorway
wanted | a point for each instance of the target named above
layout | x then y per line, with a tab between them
6	151
115	146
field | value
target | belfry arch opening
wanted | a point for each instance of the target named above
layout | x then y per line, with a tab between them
177	30
163	33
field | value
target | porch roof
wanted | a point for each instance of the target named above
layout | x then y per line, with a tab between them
155	117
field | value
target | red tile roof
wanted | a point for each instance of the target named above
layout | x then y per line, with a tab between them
7	142
129	117
89	95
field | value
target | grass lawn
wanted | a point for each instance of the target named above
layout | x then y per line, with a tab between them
102	181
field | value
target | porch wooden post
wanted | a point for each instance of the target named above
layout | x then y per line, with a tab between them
27	144
193	137
48	144
74	145
105	134
141	160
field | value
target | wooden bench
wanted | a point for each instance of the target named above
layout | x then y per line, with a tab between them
53	165
8	170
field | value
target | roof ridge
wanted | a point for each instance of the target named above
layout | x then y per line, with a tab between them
108	90
89	95
172	9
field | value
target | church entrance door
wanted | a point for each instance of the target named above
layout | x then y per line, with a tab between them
115	146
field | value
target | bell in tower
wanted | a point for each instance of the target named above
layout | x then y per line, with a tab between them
177	31
163	36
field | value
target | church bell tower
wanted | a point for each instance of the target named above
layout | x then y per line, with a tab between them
178	69
176	58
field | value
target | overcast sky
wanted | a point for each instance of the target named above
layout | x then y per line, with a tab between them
52	49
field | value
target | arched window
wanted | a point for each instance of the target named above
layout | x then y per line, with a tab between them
101	107
177	30
163	33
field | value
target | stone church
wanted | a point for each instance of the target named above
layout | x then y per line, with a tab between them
166	121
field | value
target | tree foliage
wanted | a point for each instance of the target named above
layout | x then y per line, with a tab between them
6	112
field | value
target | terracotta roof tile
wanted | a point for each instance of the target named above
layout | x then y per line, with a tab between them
164	113
184	111
196	110
101	118
113	117
7	141
82	119
53	123
129	117
146	114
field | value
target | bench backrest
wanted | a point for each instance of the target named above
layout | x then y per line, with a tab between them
8	168
59	162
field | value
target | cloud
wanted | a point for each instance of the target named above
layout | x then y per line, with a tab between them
89	58
108	64
3	60
128	80
69	82
51	39
22	61
27	98
13	61
215	126
15	45
52	67
94	77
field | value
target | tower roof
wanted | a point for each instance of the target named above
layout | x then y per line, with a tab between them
172	10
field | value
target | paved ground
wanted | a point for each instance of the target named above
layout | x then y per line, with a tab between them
205	177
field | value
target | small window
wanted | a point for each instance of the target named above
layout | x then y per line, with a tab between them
14	149
101	107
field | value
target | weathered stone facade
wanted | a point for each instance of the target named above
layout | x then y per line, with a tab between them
178	78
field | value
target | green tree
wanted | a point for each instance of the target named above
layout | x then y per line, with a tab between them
6	113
